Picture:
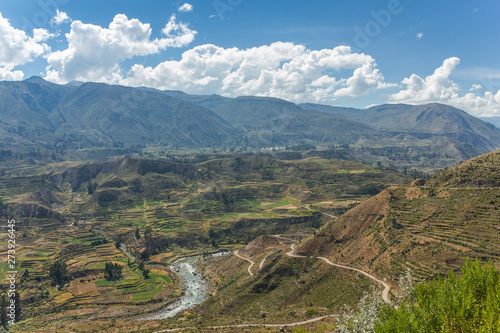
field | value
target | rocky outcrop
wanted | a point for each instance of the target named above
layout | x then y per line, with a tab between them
33	210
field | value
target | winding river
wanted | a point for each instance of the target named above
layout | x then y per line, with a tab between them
196	288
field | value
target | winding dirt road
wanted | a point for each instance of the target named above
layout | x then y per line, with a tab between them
292	254
305	322
385	292
250	261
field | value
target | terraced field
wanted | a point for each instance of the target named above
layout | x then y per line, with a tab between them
428	227
81	214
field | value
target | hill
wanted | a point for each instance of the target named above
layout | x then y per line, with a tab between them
90	214
427	227
42	114
271	121
45	122
423	121
492	120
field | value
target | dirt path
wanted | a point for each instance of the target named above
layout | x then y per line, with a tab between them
264	260
292	254
250	261
385	292
123	248
305	322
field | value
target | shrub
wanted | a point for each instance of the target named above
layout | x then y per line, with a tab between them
466	303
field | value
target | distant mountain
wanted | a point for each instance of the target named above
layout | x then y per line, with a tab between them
492	120
272	121
38	114
423	121
119	114
94	114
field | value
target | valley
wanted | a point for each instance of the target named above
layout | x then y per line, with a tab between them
134	212
123	196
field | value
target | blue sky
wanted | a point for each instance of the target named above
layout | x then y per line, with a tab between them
348	53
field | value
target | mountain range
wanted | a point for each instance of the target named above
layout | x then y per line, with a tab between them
39	114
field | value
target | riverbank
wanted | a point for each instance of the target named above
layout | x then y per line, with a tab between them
196	288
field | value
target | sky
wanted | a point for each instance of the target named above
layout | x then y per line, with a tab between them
354	53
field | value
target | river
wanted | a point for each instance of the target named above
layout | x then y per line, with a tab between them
196	288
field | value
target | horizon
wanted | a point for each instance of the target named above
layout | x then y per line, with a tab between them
71	83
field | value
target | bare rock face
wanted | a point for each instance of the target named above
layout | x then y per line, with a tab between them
261	244
33	210
45	197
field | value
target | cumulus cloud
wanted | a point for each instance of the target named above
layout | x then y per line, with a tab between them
7	74
16	48
438	87
186	8
365	79
60	18
177	34
94	52
475	87
282	70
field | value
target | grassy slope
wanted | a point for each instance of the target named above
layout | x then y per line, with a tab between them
238	199
284	290
430	228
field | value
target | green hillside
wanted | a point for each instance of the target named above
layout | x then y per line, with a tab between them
427	227
83	213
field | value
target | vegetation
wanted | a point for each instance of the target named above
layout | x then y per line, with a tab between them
58	273
113	246
112	271
469	302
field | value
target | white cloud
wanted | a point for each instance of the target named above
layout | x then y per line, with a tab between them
282	70
177	34
16	48
420	35
186	8
60	18
94	52
6	74
365	79
438	88
475	87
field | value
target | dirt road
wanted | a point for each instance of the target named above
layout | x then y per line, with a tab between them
385	292
250	261
305	322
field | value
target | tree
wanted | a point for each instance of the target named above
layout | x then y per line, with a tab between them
26	274
147	234
145	254
137	235
19	310
3	311
112	271
145	273
91	187
58	273
466	303
366	318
